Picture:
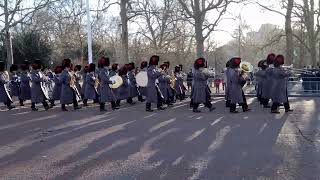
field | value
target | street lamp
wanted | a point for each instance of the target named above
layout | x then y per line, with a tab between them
89	33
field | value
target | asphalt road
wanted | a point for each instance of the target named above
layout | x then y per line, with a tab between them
174	144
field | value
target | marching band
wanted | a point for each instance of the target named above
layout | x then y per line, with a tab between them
154	84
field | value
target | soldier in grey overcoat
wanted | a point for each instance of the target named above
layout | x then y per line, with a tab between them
78	76
4	93
133	88
179	87
113	72
153	93
237	81
279	89
14	81
91	91
260	76
39	93
57	85
267	81
84	82
200	90
143	90
123	90
106	94
164	85
68	93
25	89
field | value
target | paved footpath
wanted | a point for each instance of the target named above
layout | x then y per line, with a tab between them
175	144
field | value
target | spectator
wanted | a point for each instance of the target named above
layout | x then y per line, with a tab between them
189	79
217	85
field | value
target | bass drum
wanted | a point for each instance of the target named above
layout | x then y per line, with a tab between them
118	82
142	79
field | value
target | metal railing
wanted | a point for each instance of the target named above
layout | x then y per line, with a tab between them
297	87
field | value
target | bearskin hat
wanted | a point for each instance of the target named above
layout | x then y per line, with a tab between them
270	58
123	70
131	66
58	69
86	68
154	60
14	67
177	69
235	62
92	67
168	64
279	60
104	62
66	63
228	64
181	67
77	68
2	66
114	67
199	63
164	66
143	64
37	65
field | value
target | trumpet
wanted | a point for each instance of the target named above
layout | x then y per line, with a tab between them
297	70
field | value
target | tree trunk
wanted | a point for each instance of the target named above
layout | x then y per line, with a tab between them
199	38
289	35
124	28
8	41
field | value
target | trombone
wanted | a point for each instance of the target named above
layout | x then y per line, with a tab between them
297	70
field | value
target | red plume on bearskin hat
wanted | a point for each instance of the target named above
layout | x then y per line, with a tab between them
37	64
154	60
143	64
199	63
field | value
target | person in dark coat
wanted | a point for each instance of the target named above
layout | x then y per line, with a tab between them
237	81
69	92
200	89
84	82
113	72
179	87
143	90
91	91
5	96
260	77
228	84
164	84
25	89
279	89
106	93
153	93
78	76
56	94
189	79
124	89
268	81
14	80
133	88
39	93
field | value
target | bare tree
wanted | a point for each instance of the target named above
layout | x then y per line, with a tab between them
197	10
16	12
